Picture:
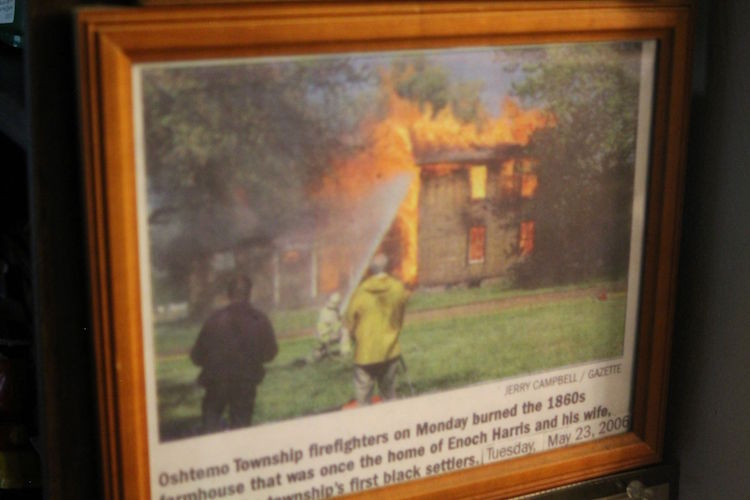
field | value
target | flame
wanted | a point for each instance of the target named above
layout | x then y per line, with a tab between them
406	132
440	169
526	237
444	131
529	183
390	153
334	263
478	182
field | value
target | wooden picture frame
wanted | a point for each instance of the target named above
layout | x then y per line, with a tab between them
114	42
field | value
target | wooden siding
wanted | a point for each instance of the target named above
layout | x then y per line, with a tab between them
446	215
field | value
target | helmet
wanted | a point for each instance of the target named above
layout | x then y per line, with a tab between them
334	300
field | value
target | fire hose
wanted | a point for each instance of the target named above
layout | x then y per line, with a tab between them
406	375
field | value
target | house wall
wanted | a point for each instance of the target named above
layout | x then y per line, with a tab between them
446	214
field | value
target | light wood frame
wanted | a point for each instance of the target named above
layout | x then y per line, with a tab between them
111	40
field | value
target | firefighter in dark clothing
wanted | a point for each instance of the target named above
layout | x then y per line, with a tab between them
231	349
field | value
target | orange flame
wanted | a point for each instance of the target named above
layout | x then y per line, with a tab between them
445	131
405	131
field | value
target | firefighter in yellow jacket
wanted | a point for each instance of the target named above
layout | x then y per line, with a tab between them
374	319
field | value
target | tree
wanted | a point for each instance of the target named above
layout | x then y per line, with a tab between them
421	81
427	83
585	163
228	146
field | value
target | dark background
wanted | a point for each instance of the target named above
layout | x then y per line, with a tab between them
708	426
709	406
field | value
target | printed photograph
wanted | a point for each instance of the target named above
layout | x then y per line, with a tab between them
334	231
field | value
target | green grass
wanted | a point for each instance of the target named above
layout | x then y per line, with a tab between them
450	352
423	299
291	321
460	351
177	337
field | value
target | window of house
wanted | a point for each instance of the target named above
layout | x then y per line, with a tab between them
508	179
478	182
526	237
516	179
477	237
529	183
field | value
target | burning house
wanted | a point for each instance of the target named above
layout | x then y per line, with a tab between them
468	227
444	199
471	204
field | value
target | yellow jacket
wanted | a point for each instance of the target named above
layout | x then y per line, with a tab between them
374	318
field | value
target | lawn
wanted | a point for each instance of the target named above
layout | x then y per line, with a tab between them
442	351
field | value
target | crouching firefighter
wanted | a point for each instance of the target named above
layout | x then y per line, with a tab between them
328	329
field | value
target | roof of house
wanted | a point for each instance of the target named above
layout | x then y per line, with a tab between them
499	152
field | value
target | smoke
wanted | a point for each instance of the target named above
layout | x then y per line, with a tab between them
360	224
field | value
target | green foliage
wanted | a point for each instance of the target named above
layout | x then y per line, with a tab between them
228	146
258	132
466	102
423	81
585	163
